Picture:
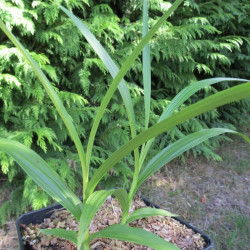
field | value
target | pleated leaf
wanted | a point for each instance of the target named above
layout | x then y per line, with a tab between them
230	95
112	68
93	203
148	212
177	148
136	235
43	175
146	63
147	88
54	98
62	233
179	99
124	69
184	94
122	195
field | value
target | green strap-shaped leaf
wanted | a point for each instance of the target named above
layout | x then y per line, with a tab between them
136	235
54	98
148	212
177	148
43	175
184	94
147	88
93	203
62	233
146	63
230	95
113	69
125	67
179	99
122	196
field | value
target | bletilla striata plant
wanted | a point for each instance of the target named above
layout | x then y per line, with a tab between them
140	144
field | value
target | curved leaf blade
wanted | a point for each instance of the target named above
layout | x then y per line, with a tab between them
62	233
184	94
91	206
93	203
43	175
122	195
148	212
125	67
54	98
146	65
112	68
179	99
177	148
230	95
136	235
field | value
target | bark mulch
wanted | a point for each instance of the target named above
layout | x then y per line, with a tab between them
110	213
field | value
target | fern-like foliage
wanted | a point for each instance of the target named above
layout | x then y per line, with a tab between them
203	39
78	76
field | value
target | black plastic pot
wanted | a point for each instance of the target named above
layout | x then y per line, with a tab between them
37	217
207	239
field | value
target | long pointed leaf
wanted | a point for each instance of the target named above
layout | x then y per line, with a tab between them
93	203
124	69
148	212
179	99
146	66
147	88
126	66
43	175
184	94
113	69
135	235
122	196
62	233
230	95
177	148
54	98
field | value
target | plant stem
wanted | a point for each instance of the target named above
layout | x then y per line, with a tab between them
84	238
131	194
85	246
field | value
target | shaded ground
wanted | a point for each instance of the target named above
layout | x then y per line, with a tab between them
8	235
212	196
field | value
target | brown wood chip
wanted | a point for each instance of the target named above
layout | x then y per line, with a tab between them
111	213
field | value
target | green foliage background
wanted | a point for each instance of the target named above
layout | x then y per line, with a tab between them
202	39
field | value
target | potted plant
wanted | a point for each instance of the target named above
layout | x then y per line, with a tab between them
29	236
85	209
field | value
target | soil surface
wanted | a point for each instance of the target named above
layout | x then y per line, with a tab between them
110	213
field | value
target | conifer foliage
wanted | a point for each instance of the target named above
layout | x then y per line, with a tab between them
203	39
77	75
